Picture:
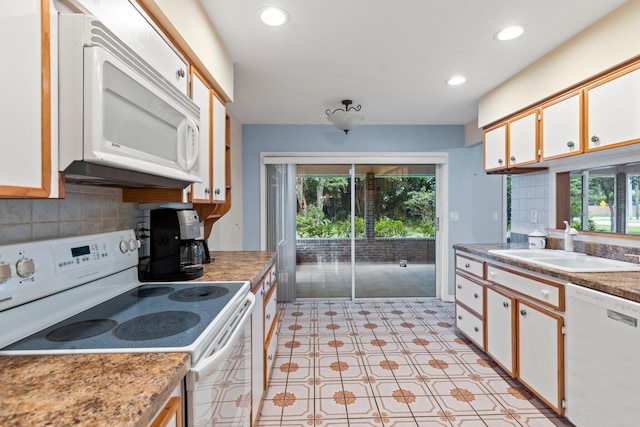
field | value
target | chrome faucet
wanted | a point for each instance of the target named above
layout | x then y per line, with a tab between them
569	232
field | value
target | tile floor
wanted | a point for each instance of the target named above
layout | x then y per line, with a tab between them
388	363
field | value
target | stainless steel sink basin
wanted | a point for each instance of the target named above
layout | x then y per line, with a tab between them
567	261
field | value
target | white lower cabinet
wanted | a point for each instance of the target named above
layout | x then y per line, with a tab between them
499	320
540	353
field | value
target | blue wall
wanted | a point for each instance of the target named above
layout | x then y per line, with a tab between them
474	195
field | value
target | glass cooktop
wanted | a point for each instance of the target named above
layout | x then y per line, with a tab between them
167	315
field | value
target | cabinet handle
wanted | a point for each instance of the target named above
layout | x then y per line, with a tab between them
545	294
513	158
217	191
207	190
475	295
459	286
475	328
500	161
459	317
181	72
523	312
571	144
595	139
262	293
467	265
270	357
268	316
505	304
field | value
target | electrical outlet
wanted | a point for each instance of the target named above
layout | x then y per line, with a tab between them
534	215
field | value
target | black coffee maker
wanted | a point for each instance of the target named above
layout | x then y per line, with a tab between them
176	251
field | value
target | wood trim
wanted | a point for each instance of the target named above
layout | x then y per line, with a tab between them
563	195
556	406
46	96
172	411
193	71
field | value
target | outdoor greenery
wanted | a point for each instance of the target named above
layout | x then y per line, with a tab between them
404	206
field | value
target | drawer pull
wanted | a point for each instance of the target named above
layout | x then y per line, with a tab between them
459	286
268	316
475	295
467	265
545	294
505	304
270	357
475	328
523	312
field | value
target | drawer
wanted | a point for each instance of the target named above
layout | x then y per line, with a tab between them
471	266
270	356
270	311
470	294
543	291
268	281
470	325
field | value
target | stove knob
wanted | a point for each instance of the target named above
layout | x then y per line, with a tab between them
124	246
5	272
25	267
134	244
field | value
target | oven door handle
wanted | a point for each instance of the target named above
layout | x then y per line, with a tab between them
211	363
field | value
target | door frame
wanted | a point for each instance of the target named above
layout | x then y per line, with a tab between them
439	159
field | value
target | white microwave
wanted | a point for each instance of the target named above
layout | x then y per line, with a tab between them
120	122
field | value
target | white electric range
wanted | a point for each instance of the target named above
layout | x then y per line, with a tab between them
82	295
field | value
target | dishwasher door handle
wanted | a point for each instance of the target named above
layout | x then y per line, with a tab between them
619	317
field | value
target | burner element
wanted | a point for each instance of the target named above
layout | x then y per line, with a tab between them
81	330
151	292
156	325
199	293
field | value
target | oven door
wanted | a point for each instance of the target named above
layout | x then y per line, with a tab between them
219	385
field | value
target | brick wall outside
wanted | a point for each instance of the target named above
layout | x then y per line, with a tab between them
388	250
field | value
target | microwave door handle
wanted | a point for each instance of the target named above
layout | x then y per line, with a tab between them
188	145
211	363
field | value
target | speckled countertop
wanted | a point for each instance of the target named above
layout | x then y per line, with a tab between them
622	284
106	389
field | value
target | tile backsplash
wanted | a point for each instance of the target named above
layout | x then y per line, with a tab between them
84	210
529	202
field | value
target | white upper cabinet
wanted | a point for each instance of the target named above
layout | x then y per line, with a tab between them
28	111
561	126
495	147
201	95
219	183
613	110
523	139
131	24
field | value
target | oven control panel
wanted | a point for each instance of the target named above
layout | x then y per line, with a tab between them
32	270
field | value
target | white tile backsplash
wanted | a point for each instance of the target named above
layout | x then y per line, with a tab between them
529	192
84	210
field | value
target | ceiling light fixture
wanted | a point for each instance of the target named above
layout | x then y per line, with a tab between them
456	80
345	119
273	16
509	33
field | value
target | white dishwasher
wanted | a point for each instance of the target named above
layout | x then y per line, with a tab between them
602	367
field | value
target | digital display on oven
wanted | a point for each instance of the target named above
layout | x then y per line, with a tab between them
80	250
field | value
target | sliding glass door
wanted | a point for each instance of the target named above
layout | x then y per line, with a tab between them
365	231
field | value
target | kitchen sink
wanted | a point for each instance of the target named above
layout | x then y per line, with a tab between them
567	261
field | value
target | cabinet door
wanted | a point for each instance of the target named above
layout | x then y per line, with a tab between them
219	148
523	139
561	127
495	148
541	353
132	25
201	95
500	320
613	111
28	113
257	352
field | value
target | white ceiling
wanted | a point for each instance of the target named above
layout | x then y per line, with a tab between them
392	57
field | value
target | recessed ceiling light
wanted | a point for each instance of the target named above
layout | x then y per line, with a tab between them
509	33
456	80
274	16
